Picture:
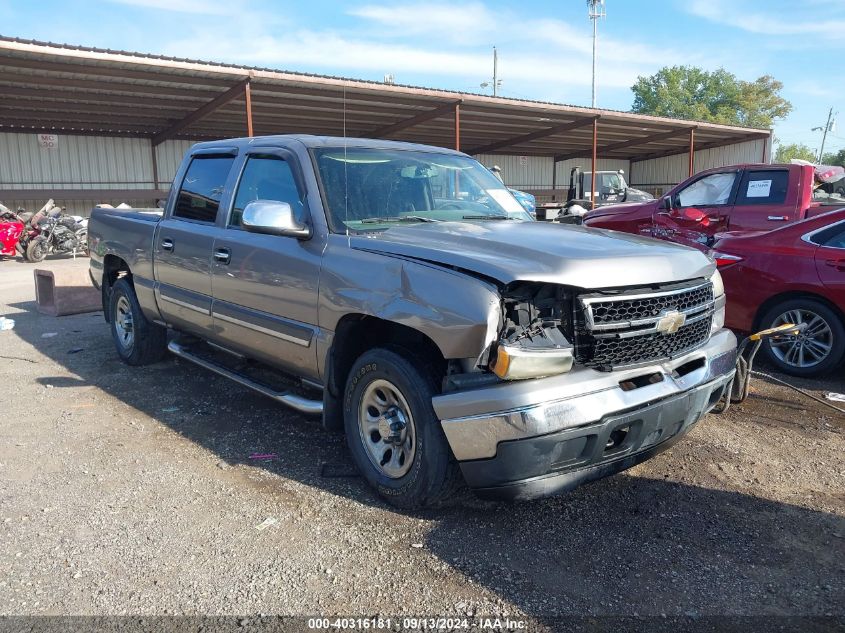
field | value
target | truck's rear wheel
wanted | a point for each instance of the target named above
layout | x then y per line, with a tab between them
138	341
393	433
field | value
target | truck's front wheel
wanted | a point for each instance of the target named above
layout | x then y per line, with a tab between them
393	433
138	341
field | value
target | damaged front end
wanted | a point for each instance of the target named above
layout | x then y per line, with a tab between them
532	343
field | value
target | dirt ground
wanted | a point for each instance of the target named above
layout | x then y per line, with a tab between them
131	490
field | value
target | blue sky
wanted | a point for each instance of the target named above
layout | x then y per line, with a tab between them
544	46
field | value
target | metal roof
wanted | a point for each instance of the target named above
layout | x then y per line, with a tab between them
67	89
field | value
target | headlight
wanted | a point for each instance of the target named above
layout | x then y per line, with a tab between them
513	362
718	285
719	308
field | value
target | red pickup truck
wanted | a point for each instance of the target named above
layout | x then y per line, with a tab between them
735	198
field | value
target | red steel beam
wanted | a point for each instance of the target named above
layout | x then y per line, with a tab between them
231	94
248	98
458	126
626	143
531	136
711	145
691	151
414	120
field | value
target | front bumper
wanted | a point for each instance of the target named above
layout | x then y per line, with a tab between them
534	438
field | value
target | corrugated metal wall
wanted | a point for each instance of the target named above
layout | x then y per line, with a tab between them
78	162
603	164
536	172
169	156
91	162
660	174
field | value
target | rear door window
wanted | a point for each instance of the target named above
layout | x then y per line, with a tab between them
763	186
710	191
832	237
202	188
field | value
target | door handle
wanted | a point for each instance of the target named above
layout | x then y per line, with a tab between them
222	255
167	244
778	218
838	264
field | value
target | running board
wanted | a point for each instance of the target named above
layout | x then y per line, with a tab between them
303	405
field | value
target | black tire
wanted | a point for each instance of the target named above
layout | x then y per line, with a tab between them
148	341
36	250
805	306
433	474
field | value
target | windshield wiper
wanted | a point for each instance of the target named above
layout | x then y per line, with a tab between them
397	218
488	217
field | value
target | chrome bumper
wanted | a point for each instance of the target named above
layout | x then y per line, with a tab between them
476	421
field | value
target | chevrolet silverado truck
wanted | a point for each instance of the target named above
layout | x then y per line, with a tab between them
734	198
401	292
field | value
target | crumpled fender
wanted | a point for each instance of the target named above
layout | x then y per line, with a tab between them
459	312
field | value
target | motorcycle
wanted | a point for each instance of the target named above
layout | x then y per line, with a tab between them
54	233
11	228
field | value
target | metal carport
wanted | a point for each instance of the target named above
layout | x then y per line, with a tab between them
75	90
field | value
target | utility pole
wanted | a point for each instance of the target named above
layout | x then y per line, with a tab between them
495	72
827	128
496	80
596	11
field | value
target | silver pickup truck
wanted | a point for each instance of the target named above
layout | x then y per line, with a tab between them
401	292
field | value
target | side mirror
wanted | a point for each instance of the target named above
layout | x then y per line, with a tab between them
665	204
273	218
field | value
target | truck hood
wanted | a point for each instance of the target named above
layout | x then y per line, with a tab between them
536	251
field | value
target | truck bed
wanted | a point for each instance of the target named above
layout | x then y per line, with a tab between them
127	233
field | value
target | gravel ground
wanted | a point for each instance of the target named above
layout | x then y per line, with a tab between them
131	491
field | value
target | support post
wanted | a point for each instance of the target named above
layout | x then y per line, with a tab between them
594	161
155	164
765	147
248	99
458	126
692	151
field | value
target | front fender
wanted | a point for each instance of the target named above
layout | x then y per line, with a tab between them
460	313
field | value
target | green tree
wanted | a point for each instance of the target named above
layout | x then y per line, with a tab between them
785	153
687	92
834	158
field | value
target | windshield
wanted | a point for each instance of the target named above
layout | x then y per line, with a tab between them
370	189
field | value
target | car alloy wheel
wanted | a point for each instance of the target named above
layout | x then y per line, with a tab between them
809	347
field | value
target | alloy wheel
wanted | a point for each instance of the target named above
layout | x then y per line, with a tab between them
809	347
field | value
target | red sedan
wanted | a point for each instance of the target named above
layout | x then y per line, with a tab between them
794	274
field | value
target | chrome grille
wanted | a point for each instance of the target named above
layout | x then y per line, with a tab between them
624	311
640	327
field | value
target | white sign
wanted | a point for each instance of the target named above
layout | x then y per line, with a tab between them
759	189
523	161
48	141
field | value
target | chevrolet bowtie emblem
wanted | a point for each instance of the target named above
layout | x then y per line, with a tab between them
671	322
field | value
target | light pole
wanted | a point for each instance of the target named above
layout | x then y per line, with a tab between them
496	81
828	127
596	11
